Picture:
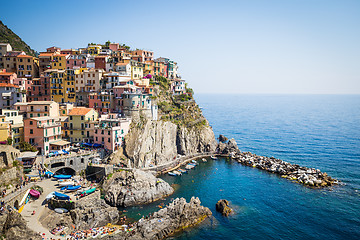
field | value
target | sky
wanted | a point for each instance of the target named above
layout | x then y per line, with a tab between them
253	46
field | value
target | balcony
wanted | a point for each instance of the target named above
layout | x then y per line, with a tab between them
50	124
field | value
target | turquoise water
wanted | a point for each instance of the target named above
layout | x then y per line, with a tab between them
320	131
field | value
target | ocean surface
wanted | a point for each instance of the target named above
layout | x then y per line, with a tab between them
320	131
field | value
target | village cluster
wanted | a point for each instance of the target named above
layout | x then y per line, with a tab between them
82	96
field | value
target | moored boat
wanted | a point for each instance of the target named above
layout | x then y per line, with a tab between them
86	192
182	170
171	174
62	176
61	196
61	210
204	160
34	193
73	188
177	173
66	183
50	195
189	166
214	158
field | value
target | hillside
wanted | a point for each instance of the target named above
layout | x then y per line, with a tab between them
8	36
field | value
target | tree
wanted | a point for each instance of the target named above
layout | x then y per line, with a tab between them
25	146
9	141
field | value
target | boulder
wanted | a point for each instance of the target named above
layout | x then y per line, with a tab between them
222	206
177	216
222	139
15	228
130	188
92	211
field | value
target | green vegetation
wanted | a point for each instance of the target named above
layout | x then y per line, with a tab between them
9	141
109	176
25	146
16	163
179	109
8	36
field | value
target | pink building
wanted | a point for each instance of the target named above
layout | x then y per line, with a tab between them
111	131
76	61
7	77
102	102
114	46
44	133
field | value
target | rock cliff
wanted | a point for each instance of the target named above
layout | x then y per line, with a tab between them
15	228
159	142
177	216
92	211
129	188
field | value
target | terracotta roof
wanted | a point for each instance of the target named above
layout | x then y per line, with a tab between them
121	64
46	54
79	111
8	85
6	73
24	56
13	53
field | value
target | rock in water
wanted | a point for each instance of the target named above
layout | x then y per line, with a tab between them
91	211
222	138
167	221
15	228
222	206
129	188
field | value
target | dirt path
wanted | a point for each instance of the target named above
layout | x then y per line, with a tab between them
38	206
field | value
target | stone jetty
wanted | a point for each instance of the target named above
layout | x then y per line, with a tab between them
307	176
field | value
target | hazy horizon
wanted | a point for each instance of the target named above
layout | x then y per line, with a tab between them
247	47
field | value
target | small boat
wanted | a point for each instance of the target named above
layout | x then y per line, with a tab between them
172	174
194	162
204	160
182	170
49	174
62	176
177	172
73	188
189	166
50	196
66	183
86	192
34	193
61	196
61	210
214	158
24	198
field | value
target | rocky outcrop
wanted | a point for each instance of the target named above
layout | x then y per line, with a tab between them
129	188
15	228
308	176
91	211
177	216
159	142
223	207
10	173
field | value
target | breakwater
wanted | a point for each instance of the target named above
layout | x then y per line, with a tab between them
307	176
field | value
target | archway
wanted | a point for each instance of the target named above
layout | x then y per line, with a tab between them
66	171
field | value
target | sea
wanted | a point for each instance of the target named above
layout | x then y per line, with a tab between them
319	131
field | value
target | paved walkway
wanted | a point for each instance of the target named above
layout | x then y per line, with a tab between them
37	206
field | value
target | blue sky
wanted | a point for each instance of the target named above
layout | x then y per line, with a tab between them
279	46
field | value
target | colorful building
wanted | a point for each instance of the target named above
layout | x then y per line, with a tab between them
59	61
7	77
102	102
27	66
44	133
81	124
10	94
38	109
9	61
111	130
137	70
16	125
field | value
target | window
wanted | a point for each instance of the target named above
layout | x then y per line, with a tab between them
31	131
82	117
31	122
108	139
71	118
71	162
108	132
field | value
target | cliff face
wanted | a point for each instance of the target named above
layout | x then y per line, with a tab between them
158	142
130	188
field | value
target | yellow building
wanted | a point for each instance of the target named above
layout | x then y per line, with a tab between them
94	49
4	129
59	61
69	86
57	83
27	66
149	68
137	70
81	124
